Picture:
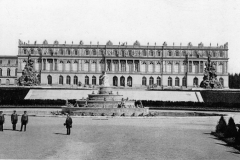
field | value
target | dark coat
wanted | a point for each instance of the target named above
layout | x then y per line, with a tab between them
2	119
14	118
68	122
24	119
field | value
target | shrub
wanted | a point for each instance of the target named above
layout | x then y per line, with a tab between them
237	138
231	130
221	126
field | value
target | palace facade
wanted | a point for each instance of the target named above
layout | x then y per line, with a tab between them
127	65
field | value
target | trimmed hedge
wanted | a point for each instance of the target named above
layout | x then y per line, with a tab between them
36	102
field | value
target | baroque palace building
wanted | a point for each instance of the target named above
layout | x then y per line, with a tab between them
126	65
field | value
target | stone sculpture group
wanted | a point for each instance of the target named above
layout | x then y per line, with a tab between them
210	80
29	77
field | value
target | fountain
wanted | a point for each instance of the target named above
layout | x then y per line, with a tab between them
105	102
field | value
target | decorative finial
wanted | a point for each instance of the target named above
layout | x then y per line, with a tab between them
148	43
97	43
65	42
155	43
72	42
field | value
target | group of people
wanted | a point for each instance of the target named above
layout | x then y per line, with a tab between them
14	120
24	121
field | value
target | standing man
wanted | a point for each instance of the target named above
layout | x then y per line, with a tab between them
24	121
14	119
68	124
2	120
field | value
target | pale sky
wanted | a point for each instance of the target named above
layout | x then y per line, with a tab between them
173	21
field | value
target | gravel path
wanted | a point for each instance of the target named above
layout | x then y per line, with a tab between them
115	138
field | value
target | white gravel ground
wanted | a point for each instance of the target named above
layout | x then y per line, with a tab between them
116	138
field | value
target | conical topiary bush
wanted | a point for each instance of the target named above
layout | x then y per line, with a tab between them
221	126
231	130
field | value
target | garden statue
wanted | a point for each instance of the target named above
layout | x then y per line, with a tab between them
105	79
210	80
29	77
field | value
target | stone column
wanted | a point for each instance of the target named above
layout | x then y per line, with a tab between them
139	66
71	66
172	67
53	64
119	66
89	66
165	66
77	65
146	69
63	65
199	66
133	65
154	66
82	64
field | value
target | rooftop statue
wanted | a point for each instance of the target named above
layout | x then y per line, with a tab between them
29	77
210	80
105	79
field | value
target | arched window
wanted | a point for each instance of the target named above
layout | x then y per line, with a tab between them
68	80
25	51
169	81
39	51
16	72
169	67
221	53
144	81
75	80
0	71
221	81
61	51
159	53
169	53
177	53
51	52
129	81
87	52
190	67
144	53
94	52
184	81
8	72
94	80
49	79
158	81
86	80
60	79
76	52
195	81
44	64
151	53
151	81
122	81
115	81
69	52
7	82
32	51
15	82
150	67
176	81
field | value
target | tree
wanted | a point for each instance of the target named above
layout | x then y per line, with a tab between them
231	130
221	126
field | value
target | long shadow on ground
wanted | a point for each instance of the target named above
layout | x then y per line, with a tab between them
60	133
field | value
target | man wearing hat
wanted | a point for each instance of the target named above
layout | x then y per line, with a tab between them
24	121
68	124
2	120
14	119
